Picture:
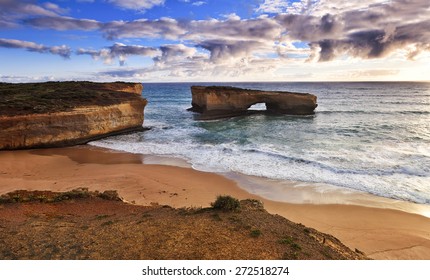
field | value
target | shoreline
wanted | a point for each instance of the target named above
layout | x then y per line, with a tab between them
380	233
293	191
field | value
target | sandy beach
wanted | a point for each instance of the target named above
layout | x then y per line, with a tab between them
379	233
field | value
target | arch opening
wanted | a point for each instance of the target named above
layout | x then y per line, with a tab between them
258	107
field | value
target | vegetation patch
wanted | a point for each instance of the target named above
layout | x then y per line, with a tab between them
226	203
22	196
108	223
288	240
39	98
101	217
255	233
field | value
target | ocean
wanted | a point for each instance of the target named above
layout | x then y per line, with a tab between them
369	137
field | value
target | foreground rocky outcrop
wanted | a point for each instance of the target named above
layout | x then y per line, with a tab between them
67	113
231	101
90	225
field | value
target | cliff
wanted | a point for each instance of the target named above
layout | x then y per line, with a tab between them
79	224
229	101
67	113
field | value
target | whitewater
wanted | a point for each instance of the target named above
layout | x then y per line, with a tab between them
370	137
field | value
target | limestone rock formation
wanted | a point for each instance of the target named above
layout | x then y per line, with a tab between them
230	101
51	118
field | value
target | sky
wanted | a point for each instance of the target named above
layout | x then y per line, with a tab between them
214	40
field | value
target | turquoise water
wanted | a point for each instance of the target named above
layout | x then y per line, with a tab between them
371	137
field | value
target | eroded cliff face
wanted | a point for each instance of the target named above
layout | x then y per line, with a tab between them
224	101
78	125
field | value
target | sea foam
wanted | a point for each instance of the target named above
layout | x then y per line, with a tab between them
371	137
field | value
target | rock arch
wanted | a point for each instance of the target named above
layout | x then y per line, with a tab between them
230	101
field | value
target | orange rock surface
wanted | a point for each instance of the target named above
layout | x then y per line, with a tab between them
80	124
218	100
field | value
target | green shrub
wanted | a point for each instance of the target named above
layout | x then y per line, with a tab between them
286	240
110	195
255	233
226	203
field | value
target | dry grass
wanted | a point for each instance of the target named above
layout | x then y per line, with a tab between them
85	225
31	98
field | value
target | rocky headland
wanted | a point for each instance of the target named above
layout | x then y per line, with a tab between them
222	101
79	224
67	113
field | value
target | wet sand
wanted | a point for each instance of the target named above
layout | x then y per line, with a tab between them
380	233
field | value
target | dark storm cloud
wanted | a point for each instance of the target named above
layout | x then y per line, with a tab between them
365	44
62	51
378	43
119	51
327	23
366	33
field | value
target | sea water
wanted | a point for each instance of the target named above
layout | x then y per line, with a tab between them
371	137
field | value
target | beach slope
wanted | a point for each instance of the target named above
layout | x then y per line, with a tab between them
379	233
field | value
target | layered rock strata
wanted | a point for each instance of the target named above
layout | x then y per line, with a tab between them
231	101
114	108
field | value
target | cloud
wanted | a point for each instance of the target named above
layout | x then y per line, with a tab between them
222	50
315	7
168	28
160	28
361	29
325	30
374	73
377	43
6	24
171	53
311	28
29	7
197	67
119	51
198	3
62	51
233	28
284	6
63	23
272	6
25	79
13	10
194	3
54	7
139	5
